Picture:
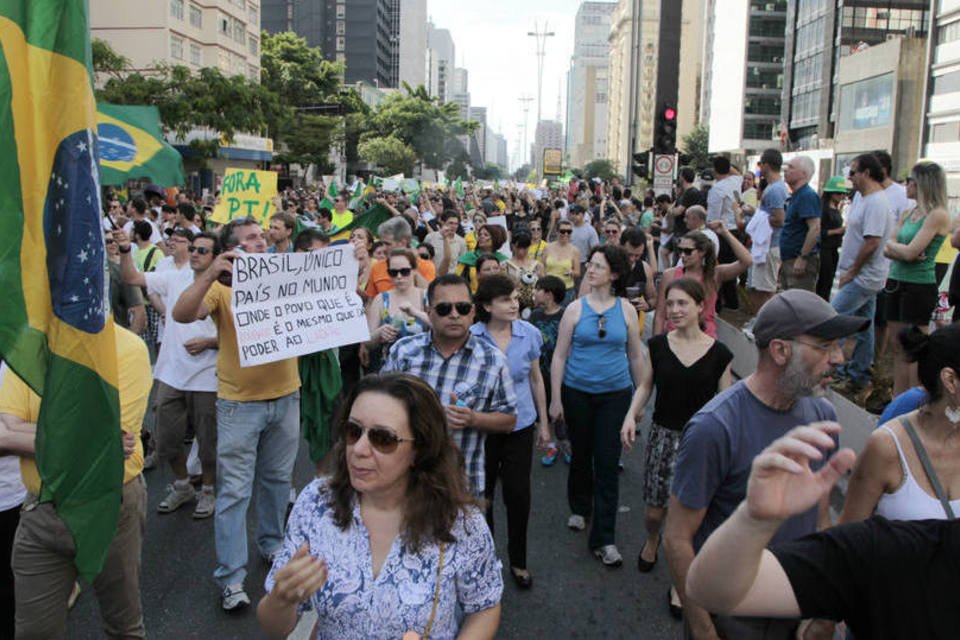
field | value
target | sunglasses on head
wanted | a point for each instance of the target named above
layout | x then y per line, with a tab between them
382	440
443	309
687	250
405	271
601	327
200	251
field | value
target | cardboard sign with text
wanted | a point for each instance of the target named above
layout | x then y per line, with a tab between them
290	304
246	193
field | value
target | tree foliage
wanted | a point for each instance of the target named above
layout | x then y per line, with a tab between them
390	153
422	123
602	169
696	146
488	171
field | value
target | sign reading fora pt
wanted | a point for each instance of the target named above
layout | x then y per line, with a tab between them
246	193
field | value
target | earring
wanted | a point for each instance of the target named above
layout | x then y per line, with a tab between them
952	414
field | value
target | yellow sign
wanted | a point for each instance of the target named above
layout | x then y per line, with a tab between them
246	193
552	162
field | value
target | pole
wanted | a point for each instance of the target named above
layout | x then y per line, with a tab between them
525	150
541	38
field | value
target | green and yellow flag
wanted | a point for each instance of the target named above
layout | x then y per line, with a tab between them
55	331
132	146
331	195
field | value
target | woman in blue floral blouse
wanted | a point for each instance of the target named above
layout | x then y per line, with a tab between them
392	542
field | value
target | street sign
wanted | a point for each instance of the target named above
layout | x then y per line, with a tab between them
664	166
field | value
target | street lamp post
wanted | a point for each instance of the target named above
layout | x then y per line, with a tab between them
541	37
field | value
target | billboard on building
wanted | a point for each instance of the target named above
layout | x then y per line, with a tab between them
552	162
868	103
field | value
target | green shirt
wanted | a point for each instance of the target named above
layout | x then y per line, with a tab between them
920	271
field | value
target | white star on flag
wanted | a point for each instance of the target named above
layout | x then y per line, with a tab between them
81	146
82	256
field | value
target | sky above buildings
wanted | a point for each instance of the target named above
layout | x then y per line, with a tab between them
492	44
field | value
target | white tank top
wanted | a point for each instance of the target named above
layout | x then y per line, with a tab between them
910	501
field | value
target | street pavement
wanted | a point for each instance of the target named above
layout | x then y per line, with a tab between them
574	596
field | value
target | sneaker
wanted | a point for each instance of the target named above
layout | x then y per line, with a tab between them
176	498
550	458
206	500
150	461
577	523
609	555
234	597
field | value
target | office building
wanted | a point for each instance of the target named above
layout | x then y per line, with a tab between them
441	55
587	84
941	133
412	49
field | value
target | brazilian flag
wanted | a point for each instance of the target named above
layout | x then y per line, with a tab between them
55	329
132	146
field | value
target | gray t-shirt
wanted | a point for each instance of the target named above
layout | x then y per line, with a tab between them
458	247
720	200
868	216
775	197
718	447
584	238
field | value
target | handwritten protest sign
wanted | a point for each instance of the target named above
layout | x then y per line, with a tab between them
291	304
246	193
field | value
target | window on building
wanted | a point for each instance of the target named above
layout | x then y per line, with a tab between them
196	16
946	83
238	31
176	48
945	132
341	27
224	25
341	43
253	45
240	3
176	9
341	11
195	54
253	16
758	130
949	32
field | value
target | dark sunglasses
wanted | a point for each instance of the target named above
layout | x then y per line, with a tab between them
201	251
601	327
383	440
564	232
110	241
399	272
686	250
443	309
424	256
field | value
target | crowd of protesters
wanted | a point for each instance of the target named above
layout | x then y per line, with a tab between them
504	319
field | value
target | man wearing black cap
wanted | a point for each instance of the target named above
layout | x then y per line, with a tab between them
797	336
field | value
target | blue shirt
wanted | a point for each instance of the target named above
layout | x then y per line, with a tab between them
906	402
477	373
595	364
775	197
525	346
718	447
802	205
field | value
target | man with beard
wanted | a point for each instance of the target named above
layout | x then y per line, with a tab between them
798	338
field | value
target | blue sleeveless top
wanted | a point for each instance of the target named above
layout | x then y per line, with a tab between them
595	364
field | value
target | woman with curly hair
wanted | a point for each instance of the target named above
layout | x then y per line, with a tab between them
392	542
490	238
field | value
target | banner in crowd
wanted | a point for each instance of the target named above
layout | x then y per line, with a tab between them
291	304
132	146
246	193
55	329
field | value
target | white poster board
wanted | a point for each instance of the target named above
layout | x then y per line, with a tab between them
291	304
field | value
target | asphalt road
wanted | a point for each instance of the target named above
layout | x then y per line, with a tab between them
573	596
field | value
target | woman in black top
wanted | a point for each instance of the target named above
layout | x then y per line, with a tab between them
831	234
689	368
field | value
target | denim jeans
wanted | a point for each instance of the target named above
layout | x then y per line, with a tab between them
253	439
855	300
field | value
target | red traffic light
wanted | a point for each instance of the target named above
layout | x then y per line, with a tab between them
669	114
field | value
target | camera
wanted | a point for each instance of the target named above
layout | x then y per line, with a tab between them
226	277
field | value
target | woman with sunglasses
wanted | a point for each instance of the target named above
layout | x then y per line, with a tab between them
562	259
912	287
509	455
689	368
397	313
392	541
698	260
537	243
597	362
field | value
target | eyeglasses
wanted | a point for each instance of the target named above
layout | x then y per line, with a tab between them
111	241
686	250
601	327
823	348
564	232
443	309
852	173
423	256
405	271
382	440
200	251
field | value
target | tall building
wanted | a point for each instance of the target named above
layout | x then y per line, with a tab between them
549	135
743	50
941	133
380	42
441	55
220	33
460	90
478	141
819	34
413	42
587	84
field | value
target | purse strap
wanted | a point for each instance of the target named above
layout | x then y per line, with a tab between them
928	467
436	594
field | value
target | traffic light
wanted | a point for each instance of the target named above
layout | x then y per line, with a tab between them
641	164
665	136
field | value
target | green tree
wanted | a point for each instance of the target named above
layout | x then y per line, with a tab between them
602	169
390	153
419	121
696	146
488	171
522	172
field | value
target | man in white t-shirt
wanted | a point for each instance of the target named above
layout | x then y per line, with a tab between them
137	210
185	374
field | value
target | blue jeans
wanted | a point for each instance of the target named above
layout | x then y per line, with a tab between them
252	438
854	300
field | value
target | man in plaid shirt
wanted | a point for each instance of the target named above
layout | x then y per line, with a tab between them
470	376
